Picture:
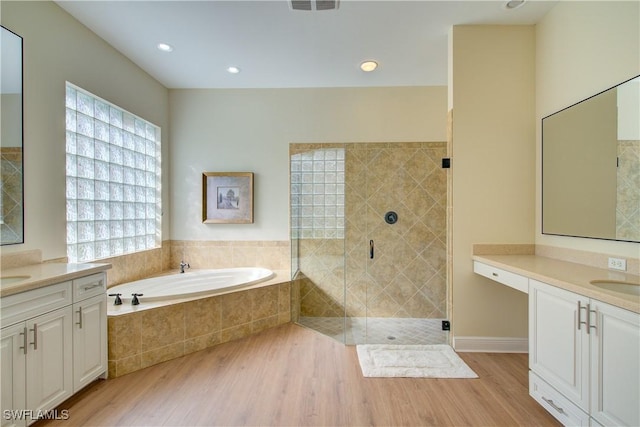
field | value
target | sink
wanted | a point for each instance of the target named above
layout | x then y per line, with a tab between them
618	286
8	280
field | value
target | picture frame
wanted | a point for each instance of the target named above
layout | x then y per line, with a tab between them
227	197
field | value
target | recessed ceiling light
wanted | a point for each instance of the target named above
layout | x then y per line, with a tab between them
165	47
233	70
368	66
513	4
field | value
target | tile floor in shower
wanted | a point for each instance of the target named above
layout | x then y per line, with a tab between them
379	330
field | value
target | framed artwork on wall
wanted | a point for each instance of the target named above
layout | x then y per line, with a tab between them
227	197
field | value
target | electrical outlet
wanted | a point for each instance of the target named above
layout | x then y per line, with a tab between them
618	264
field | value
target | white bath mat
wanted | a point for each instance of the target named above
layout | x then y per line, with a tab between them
414	361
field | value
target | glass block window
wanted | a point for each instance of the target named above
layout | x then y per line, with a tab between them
113	179
317	194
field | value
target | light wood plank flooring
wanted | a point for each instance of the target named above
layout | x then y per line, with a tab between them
292	376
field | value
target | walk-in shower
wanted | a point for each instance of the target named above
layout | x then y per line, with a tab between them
368	238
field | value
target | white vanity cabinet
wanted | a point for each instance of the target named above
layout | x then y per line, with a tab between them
36	351
89	330
51	346
584	358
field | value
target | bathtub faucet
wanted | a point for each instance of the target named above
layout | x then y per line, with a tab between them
183	265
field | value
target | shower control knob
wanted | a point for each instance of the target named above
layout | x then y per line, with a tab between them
391	217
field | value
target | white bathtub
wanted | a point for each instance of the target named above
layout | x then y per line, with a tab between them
192	283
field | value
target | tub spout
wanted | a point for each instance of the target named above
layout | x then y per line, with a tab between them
183	265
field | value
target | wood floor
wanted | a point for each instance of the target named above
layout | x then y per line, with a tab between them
292	376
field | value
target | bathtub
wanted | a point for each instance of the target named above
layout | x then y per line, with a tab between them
190	284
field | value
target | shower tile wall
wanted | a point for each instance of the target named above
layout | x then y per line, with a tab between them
407	276
628	196
11	197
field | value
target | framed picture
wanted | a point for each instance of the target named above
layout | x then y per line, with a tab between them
227	197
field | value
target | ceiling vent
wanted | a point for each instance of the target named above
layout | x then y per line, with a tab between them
314	4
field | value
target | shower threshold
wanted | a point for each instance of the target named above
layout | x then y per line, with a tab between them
379	330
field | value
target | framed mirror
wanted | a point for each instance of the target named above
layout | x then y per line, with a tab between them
591	166
11	139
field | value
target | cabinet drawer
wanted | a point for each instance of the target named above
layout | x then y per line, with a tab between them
555	403
512	280
87	287
22	306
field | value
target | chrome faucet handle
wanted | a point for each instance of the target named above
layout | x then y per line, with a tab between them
118	301
135	300
183	265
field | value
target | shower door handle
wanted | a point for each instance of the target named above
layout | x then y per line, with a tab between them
371	249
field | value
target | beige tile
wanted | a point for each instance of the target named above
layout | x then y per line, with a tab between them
220	256
265	323
201	342
264	302
128	365
284	298
236	332
284	318
235	309
125	333
202	316
245	256
162	326
162	354
112	369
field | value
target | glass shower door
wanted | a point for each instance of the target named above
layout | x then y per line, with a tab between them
403	217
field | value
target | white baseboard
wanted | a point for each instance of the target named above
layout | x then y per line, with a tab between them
491	344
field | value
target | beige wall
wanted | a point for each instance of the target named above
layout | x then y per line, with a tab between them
250	130
583	48
493	165
57	48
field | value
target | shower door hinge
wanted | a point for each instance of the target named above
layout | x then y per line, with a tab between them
446	325
446	163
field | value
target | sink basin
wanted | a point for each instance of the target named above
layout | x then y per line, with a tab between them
618	286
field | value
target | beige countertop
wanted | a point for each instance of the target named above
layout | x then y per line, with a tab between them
45	274
567	275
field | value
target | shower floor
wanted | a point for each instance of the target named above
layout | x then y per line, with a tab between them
379	330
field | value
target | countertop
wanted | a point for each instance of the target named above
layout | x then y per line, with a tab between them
567	275
46	274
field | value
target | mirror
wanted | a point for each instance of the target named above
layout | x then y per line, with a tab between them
591	166
11	166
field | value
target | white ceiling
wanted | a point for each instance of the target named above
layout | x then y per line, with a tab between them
276	47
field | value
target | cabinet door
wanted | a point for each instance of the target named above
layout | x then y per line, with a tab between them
615	365
558	344
89	340
12	359
49	360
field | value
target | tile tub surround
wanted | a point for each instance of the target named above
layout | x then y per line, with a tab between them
271	254
274	255
141	339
